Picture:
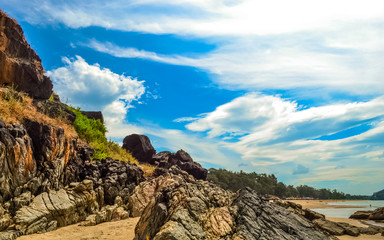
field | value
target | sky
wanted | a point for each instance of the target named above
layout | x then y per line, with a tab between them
292	88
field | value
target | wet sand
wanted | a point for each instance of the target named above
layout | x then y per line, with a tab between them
117	230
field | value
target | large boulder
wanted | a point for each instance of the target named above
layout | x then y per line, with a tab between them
20	66
140	147
96	115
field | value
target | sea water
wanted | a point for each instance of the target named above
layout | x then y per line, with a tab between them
346	212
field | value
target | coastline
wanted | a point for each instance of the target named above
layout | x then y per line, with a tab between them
313	204
324	203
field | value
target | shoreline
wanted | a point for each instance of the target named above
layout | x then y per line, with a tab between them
313	204
324	203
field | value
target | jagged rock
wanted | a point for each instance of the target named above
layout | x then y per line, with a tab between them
361	215
20	66
97	115
181	159
140	147
9	235
5	222
183	208
377	214
298	209
145	191
114	178
53	209
17	161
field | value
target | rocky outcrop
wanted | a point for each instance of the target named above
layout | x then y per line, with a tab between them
55	109
140	147
183	208
377	215
112	177
333	228
361	215
181	159
54	209
97	115
20	66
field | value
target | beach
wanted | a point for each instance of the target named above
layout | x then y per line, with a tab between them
327	204
116	230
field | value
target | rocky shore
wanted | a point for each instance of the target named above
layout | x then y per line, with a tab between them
48	179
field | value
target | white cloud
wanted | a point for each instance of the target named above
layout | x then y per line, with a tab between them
93	88
203	18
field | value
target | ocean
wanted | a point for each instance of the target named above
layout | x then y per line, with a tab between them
346	212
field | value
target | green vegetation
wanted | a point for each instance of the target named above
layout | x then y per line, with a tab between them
268	184
93	131
378	195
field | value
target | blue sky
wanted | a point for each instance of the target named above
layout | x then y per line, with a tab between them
293	88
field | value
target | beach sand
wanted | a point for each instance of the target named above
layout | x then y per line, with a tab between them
117	230
323	204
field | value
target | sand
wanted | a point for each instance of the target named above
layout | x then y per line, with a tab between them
323	204
117	230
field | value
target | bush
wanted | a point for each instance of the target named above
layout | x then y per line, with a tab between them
93	131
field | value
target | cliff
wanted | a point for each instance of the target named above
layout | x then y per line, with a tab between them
20	65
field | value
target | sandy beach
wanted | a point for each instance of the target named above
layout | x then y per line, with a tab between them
117	230
323	204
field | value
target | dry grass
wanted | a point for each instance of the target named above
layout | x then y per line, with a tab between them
147	169
16	106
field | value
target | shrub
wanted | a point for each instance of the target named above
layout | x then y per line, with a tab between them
93	131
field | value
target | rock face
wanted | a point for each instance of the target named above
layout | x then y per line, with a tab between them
183	208
140	147
53	209
20	66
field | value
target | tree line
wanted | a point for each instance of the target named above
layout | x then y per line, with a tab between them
268	184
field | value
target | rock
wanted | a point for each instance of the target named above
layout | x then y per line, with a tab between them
96	115
5	222
377	214
55	109
181	159
53	209
185	208
9	235
329	226
140	147
17	161
20	66
361	215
